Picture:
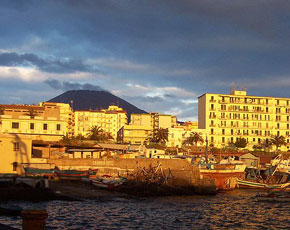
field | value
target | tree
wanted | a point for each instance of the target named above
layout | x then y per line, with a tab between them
277	141
194	138
1	110
241	143
97	133
160	135
32	113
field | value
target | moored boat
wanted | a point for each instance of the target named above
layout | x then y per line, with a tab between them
255	185
75	174
29	171
107	182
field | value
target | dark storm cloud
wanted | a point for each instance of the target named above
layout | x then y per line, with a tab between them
52	65
200	46
64	85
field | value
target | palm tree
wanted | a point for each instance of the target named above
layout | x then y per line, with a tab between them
1	110
32	113
160	135
194	138
97	133
277	141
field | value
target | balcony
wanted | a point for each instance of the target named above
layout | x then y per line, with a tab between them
212	101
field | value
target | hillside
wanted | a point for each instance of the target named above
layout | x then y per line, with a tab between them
94	100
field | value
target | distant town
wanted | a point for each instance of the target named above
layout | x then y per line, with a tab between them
226	123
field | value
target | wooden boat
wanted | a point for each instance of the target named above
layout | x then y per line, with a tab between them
107	182
38	172
226	175
75	174
255	185
275	196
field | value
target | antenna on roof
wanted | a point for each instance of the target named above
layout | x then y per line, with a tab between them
233	87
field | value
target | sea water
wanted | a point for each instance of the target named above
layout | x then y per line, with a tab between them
231	210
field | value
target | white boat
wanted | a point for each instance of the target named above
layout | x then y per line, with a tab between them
107	182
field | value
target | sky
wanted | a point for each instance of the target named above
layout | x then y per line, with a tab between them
159	55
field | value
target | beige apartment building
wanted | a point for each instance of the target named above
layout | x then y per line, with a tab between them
154	120
111	120
227	117
44	122
134	134
177	135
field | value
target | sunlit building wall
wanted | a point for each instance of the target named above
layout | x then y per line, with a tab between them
110	120
178	134
134	134
41	121
227	117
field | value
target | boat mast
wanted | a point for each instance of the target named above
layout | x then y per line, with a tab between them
206	150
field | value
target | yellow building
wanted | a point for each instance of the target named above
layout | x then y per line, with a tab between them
178	134
227	117
42	121
111	120
16	153
155	120
134	134
65	113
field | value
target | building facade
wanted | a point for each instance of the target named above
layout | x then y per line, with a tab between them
227	117
110	120
154	120
134	134
44	121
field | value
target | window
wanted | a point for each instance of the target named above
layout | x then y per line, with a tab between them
31	125
15	146
44	126
58	127
15	125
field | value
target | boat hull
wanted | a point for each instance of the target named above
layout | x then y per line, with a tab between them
256	185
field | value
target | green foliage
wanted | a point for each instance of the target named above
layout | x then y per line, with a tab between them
159	136
277	141
241	143
97	133
194	138
32	113
1	110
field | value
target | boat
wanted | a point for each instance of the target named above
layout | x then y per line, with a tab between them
75	174
225	175
274	196
29	171
257	185
269	178
225	172
107	182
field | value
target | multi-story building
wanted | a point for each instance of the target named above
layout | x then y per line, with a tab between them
178	134
227	117
154	120
44	122
110	120
134	134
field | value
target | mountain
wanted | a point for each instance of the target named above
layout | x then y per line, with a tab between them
94	100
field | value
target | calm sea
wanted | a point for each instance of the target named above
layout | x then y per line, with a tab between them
231	210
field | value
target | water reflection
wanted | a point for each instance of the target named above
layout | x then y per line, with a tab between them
234	210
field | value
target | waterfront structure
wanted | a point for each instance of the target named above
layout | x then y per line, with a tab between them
110	120
44	121
134	134
227	117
